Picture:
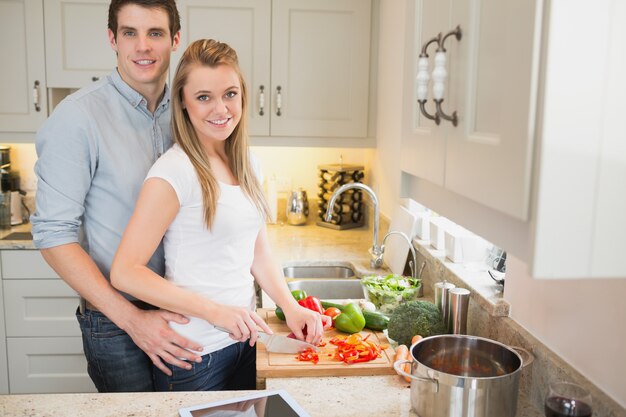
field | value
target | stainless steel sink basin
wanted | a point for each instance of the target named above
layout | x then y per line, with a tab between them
318	271
328	289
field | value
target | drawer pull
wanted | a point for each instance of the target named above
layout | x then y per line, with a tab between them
36	96
279	100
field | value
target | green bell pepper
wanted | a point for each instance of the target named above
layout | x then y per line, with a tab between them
297	295
351	319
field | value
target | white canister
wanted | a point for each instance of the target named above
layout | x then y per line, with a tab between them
438	226
464	246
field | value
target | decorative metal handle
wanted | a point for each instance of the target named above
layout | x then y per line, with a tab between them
261	100
458	34
279	100
423	78
36	96
422	88
440	74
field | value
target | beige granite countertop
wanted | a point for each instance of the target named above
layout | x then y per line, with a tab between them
373	396
16	244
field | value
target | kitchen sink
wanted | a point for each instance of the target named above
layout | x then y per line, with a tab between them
318	271
328	289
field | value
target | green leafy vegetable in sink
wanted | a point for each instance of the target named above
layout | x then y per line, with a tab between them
387	292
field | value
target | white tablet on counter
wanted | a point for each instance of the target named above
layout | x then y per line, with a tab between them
276	403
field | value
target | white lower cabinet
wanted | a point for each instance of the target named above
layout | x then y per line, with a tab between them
47	365
43	344
41	308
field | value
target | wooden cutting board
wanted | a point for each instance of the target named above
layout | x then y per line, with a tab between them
273	365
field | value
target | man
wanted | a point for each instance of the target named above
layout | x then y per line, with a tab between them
94	152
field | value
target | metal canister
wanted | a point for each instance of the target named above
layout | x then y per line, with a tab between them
441	297
458	302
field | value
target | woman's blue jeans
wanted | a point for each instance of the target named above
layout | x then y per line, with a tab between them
114	362
231	368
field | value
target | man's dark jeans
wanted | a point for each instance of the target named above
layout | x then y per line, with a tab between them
114	362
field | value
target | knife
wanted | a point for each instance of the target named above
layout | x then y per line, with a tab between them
281	344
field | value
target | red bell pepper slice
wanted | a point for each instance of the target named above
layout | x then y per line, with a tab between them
312	303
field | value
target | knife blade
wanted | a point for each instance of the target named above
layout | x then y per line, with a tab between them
283	344
280	344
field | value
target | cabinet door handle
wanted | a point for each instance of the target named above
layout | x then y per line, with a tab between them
261	100
36	96
279	100
440	74
95	78
423	78
422	88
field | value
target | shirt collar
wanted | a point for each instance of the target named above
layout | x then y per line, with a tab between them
133	97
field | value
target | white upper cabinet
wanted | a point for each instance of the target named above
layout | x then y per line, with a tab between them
579	225
244	25
77	47
23	104
306	62
487	156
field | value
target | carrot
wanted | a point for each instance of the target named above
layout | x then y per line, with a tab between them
416	339
402	353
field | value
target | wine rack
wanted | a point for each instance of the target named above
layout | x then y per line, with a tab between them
348	210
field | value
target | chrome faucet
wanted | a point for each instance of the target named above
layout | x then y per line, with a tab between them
376	253
412	264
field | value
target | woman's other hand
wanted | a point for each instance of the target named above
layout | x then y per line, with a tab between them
299	318
240	323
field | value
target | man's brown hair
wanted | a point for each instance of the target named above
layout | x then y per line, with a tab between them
168	6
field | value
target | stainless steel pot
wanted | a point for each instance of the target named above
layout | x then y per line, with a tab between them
463	376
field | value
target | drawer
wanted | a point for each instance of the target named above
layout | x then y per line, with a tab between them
47	365
40	308
25	264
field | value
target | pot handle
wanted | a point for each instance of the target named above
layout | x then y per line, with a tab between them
527	357
397	365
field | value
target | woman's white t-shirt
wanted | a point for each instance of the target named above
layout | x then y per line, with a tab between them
214	263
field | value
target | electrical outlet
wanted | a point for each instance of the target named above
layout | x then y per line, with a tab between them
283	184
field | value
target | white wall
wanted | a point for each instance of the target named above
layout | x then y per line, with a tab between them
299	164
385	168
580	320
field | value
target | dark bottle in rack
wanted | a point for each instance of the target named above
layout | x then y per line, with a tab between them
347	212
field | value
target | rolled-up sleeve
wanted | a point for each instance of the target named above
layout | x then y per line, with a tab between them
67	158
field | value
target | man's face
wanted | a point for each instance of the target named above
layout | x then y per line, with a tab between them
143	46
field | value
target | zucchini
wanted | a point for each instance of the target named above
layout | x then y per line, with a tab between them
373	319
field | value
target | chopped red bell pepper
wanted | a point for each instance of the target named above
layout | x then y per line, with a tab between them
308	355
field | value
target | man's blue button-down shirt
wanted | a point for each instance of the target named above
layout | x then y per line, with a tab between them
94	153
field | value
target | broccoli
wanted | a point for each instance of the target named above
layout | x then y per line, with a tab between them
415	317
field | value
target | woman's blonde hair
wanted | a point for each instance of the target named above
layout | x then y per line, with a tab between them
211	53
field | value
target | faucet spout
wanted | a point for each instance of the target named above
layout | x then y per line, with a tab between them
376	260
412	263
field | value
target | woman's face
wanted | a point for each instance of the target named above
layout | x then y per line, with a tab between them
212	97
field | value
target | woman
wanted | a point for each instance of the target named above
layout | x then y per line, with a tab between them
204	199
